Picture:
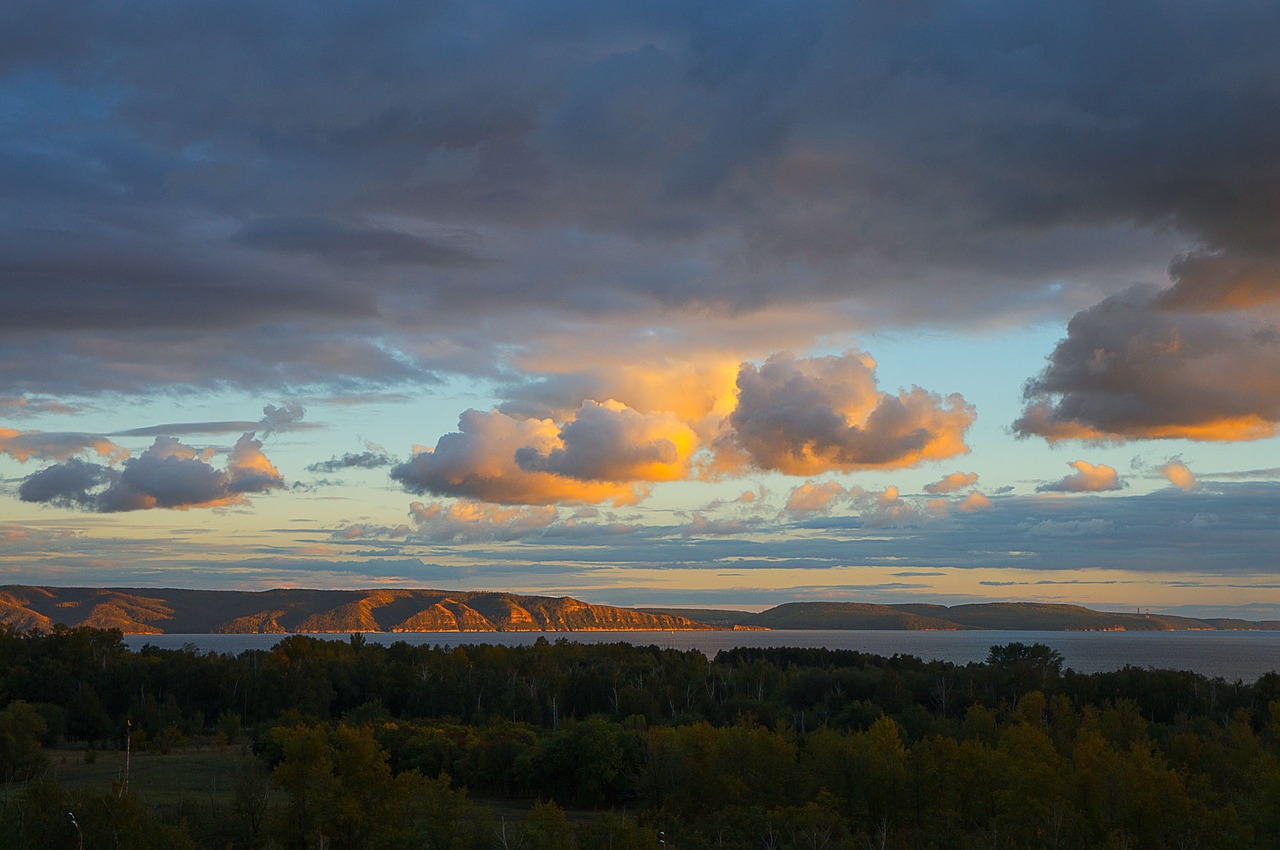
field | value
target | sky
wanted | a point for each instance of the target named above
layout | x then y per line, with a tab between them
720	304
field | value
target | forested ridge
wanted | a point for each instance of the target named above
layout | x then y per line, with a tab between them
352	745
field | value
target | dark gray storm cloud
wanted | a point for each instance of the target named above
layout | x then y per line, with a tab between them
277	194
355	246
1140	365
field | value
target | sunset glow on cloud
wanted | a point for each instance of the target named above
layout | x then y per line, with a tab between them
1179	475
1088	478
709	304
806	416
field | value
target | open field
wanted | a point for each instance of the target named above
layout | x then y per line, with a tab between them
202	771
207	773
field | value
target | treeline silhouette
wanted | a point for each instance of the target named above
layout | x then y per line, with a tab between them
359	745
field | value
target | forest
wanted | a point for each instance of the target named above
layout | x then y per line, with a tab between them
353	745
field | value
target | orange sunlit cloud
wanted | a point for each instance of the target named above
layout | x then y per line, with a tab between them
1179	475
468	520
951	483
974	502
612	442
26	445
794	415
1088	478
813	498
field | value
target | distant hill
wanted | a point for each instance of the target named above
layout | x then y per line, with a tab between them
838	615
717	617
173	611
1021	616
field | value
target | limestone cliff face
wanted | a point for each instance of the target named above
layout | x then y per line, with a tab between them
147	611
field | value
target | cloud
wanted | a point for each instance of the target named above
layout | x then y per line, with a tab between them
248	470
611	442
1248	474
953	482
73	483
21	406
369	459
479	462
167	475
1154	363
794	415
1070	528
286	417
813	498
1088	478
704	526
700	390
1179	475
549	172
1220	281
875	508
974	502
333	241
471	521
185	429
804	416
26	445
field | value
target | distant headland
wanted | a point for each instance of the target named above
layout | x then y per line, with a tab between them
292	610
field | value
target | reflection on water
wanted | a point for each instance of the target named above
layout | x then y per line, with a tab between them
1231	655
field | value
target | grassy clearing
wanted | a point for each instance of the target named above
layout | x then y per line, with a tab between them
207	774
206	771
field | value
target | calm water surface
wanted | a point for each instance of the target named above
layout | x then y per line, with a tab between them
1231	655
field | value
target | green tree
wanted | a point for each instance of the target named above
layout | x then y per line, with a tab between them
21	729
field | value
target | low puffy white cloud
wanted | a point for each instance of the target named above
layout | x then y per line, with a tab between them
805	416
169	474
1179	475
1088	478
951	483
